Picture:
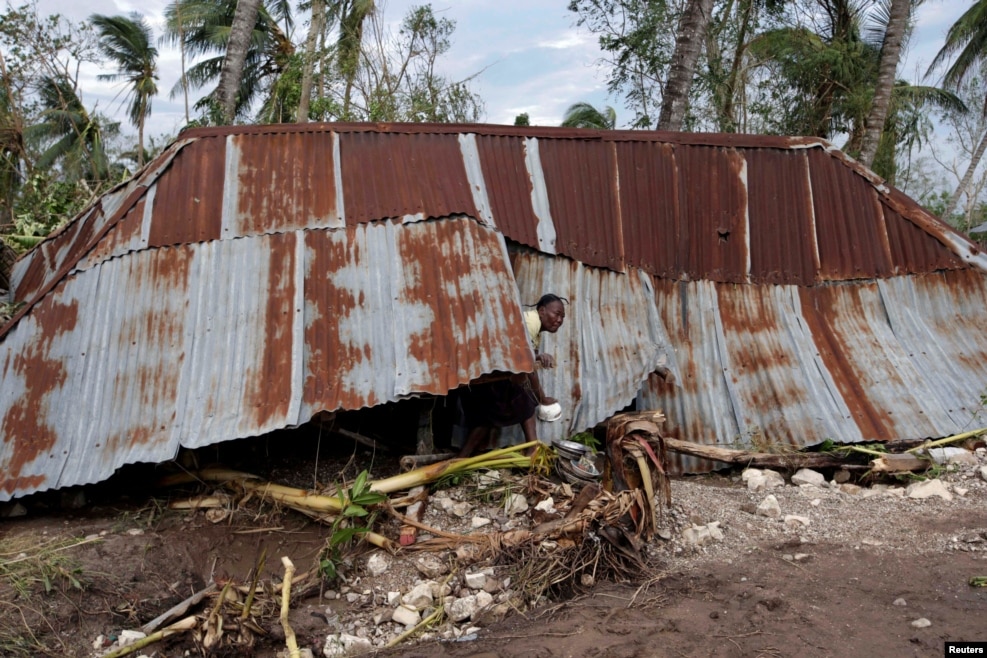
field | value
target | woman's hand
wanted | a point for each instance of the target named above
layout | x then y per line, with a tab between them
545	360
545	401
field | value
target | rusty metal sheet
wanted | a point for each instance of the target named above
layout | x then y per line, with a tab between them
649	207
850	231
581	181
865	361
189	201
508	186
612	338
782	232
403	176
713	203
912	251
199	343
281	182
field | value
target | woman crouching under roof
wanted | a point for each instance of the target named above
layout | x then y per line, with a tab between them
514	400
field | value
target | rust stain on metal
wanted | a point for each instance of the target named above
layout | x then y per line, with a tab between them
286	182
850	233
188	205
782	238
820	310
508	187
912	251
269	388
398	175
649	203
24	425
329	305
581	178
712	244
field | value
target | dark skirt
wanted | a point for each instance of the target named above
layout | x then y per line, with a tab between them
498	404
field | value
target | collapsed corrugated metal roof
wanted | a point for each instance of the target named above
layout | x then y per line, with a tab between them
251	277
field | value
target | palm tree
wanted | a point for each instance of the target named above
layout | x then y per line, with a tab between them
352	16
127	41
203	28
68	134
315	33
244	20
688	41
898	13
967	39
584	115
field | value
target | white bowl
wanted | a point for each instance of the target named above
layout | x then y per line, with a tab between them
549	412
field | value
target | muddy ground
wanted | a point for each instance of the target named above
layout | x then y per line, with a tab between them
83	565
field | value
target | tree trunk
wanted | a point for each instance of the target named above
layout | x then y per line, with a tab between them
315	30
890	54
967	177
231	74
692	29
728	122
140	142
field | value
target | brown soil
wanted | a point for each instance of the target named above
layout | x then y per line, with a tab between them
765	589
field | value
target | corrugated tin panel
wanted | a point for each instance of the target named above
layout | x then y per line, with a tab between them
201	343
713	204
509	187
850	231
403	176
612	338
649	207
796	366
581	181
281	182
188	204
912	251
782	231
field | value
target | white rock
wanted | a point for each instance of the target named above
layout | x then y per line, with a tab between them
808	476
769	507
960	491
895	492
488	478
773	479
352	597
445	503
460	509
493	585
483	599
851	489
793	521
983	473
547	505
393	598
815	502
405	615
953	455
757	483
420	596
127	637
714	531
378	563
751	472
921	622
479	522
927	489
98	642
476	580
900	602
440	590
462	608
344	644
515	504
431	566
135	532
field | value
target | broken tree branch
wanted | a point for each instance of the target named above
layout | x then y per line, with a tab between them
289	634
759	459
180	626
948	440
177	610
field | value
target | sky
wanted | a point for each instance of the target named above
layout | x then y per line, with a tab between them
527	56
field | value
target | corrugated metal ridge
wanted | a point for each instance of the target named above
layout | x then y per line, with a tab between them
741	140
138	185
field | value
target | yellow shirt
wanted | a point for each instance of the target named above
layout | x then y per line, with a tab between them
532	321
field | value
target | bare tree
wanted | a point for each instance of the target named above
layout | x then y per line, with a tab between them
688	41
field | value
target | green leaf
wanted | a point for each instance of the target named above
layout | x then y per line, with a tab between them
354	510
359	485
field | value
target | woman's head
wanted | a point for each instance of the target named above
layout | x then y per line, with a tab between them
551	312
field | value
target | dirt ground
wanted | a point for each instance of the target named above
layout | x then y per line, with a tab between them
851	582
